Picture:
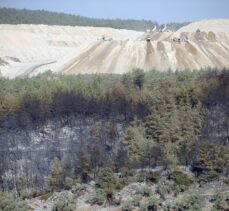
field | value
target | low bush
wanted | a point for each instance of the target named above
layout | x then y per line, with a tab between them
153	177
11	204
125	171
127	206
208	177
107	181
144	191
169	206
136	200
150	205
69	182
193	202
64	204
226	181
176	189
97	198
181	179
220	201
121	184
164	188
25	194
46	196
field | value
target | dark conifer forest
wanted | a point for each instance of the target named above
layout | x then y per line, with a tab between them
16	16
169	112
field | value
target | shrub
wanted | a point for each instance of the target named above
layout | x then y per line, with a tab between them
144	191
56	178
178	189
136	200
221	201
25	194
127	206
181	182
64	204
139	78
125	171
153	177
191	202
226	181
208	176
97	198
181	179
121	184
107	181
150	205
69	182
163	188
141	177
80	187
46	196
170	205
11	204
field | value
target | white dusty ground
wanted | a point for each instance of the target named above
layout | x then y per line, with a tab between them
36	45
73	50
217	25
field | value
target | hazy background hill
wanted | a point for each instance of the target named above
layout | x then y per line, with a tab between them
16	16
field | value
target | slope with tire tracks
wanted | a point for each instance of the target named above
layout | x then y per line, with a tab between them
195	51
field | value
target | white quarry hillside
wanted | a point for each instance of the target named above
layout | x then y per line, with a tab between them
27	50
217	25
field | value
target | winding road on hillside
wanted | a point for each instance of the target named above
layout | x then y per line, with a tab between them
30	69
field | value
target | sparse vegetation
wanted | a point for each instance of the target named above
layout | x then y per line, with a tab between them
97	198
220	201
191	202
182	182
12	204
64	204
144	191
127	206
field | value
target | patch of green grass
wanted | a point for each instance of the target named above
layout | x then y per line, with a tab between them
45	197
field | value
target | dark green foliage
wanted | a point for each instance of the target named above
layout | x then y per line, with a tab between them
181	179
139	78
211	162
57	177
16	16
107	182
69	182
46	196
153	177
166	119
